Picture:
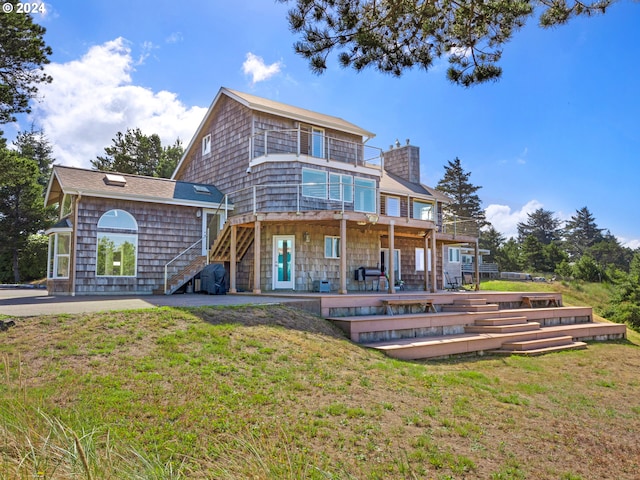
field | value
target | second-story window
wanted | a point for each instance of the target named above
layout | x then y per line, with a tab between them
317	142
393	206
314	183
365	195
206	144
422	210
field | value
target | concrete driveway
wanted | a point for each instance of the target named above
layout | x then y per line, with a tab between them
19	302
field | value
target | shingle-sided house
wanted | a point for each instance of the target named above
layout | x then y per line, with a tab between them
313	201
118	232
298	201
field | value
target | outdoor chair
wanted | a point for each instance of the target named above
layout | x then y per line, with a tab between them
451	284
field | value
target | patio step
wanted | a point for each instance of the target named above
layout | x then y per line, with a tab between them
540	346
486	322
509	328
456	307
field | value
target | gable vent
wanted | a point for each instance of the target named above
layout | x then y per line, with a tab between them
115	180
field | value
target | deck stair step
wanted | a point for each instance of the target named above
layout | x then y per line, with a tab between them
510	328
470	301
485	322
541	346
456	307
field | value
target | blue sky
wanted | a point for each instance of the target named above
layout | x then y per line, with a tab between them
559	131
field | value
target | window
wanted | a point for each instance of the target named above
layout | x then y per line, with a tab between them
331	247
314	183
365	195
59	250
420	260
393	206
206	144
317	142
117	245
65	208
422	210
454	255
341	187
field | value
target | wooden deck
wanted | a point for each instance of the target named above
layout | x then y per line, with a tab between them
467	323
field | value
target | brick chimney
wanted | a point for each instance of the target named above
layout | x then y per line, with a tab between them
403	161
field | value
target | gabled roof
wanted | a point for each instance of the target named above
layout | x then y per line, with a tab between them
390	183
95	183
260	104
307	116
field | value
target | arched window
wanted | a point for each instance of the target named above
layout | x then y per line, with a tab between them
117	245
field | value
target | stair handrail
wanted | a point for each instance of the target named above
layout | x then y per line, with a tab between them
166	267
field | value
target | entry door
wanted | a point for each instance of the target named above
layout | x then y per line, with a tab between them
284	261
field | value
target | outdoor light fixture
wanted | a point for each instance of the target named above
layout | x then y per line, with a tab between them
306	237
372	218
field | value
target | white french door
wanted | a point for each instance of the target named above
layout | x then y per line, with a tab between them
284	262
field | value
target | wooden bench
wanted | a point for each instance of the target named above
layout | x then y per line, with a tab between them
527	300
426	304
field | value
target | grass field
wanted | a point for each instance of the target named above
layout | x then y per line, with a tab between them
270	392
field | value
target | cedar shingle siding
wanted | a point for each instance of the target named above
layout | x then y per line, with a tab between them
163	232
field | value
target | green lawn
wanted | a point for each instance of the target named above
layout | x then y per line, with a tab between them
275	393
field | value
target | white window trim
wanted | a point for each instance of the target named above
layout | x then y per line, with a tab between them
314	171
387	198
317	133
454	255
344	182
431	215
206	144
123	232
372	188
52	266
419	257
335	246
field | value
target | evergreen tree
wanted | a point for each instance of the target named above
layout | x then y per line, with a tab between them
609	253
541	224
21	207
492	240
581	232
35	145
466	203
393	36
532	253
509	259
23	53
136	153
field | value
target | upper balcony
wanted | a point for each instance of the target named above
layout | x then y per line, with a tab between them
314	143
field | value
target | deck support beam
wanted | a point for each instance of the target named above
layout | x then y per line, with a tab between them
476	253
343	255
425	261
434	262
391	288
257	247
233	265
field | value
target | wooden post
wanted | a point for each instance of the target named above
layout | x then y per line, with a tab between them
434	262
343	255
391	267
426	261
233	266
476	252
257	247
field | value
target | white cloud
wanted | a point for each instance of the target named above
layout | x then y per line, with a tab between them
175	37
91	99
633	244
506	221
258	70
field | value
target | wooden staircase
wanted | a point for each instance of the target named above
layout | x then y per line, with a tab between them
221	249
183	275
472	325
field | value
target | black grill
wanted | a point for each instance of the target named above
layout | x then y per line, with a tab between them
363	274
